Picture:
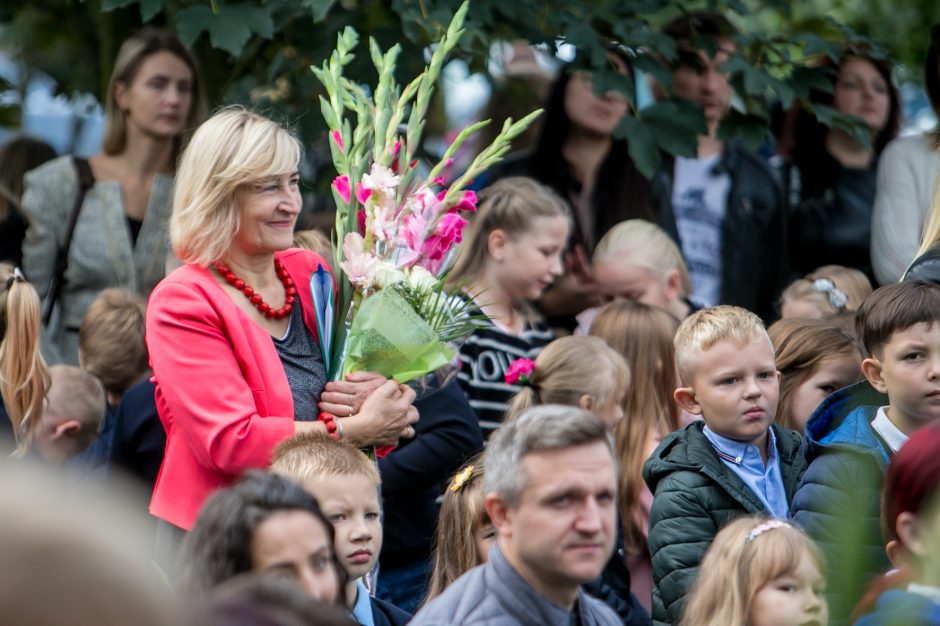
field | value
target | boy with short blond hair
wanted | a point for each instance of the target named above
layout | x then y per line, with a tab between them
734	462
345	483
854	433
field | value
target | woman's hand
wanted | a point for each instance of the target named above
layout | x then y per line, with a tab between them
385	417
344	398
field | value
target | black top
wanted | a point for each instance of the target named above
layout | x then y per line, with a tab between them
134	226
12	233
303	364
926	267
414	473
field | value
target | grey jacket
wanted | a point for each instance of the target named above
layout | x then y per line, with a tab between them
494	594
101	254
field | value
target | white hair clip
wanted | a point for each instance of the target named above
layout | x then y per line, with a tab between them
760	529
837	297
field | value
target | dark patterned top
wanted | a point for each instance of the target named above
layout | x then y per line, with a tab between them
303	365
484	359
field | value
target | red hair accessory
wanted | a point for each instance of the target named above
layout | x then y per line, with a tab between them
520	372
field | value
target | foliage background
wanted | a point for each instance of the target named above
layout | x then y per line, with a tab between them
258	51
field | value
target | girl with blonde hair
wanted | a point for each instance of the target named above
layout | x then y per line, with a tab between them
825	293
558	376
464	532
759	572
24	377
644	336
815	358
637	260
511	253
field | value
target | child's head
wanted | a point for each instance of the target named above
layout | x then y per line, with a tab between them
727	372
909	503
825	292
560	377
346	484
516	237
111	343
464	531
73	415
24	377
759	572
898	326
644	336
815	358
637	260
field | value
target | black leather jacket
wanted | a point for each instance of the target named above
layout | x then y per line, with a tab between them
755	262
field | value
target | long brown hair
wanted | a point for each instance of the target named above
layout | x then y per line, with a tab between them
462	514
134	51
800	346
24	376
644	336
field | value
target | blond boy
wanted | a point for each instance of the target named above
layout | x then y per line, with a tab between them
734	462
346	485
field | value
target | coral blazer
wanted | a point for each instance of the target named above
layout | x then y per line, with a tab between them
221	391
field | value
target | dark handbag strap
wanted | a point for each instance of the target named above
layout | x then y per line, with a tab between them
86	180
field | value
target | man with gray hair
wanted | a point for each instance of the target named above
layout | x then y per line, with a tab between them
550	492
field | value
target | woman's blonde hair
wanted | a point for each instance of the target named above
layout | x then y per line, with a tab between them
510	205
24	376
644	336
648	245
134	51
569	368
851	282
462	515
931	234
234	148
800	347
745	555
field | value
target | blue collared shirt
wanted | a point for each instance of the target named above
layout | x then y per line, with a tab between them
744	459
362	611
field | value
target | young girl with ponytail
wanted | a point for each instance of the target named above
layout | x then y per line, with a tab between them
24	377
576	371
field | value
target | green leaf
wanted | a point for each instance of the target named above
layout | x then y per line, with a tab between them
149	9
229	29
110	5
641	144
675	126
751	128
320	9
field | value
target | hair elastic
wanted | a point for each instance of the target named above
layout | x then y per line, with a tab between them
462	478
763	527
837	297
15	277
520	372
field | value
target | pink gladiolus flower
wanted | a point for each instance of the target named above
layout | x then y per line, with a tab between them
449	231
341	185
467	203
358	265
520	371
441	195
338	139
362	193
439	180
448	162
361	220
380	179
397	148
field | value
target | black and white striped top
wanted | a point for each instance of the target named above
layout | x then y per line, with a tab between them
484	359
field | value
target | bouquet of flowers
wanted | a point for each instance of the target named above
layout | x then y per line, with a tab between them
396	231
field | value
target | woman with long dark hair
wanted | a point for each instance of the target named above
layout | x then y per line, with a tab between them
833	172
578	156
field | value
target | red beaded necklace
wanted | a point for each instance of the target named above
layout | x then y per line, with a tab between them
255	298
